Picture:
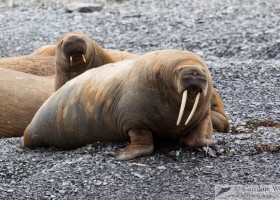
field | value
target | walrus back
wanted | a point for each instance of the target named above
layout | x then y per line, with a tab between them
76	113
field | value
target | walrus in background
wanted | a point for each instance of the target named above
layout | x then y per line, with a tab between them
41	62
20	97
77	53
137	100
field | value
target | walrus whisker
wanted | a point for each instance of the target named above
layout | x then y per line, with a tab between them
182	108
71	59
194	108
84	58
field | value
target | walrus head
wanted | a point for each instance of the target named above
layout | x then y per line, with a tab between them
74	48
77	53
191	79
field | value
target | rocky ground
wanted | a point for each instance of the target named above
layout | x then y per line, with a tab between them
239	40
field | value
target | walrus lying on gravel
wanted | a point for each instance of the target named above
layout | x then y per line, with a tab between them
75	53
137	100
21	95
41	62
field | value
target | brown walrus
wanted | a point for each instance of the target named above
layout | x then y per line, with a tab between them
77	53
21	95
16	116
42	62
137	100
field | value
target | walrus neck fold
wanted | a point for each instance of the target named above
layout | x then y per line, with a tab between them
100	56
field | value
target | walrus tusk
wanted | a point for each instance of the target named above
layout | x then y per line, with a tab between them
182	108
84	58
71	59
194	108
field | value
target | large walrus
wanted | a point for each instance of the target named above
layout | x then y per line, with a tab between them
77	53
160	95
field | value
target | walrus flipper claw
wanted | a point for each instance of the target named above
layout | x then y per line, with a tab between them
141	145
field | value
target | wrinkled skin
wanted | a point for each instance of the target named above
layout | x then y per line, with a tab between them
136	100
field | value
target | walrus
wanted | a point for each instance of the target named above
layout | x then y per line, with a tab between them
41	62
46	63
77	53
21	95
16	116
161	95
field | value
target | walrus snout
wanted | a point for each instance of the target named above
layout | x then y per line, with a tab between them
74	46
193	79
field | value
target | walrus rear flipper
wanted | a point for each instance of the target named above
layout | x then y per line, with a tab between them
218	115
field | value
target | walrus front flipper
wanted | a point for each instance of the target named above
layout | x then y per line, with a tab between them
141	145
200	135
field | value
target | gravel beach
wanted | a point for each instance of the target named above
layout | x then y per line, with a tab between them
240	42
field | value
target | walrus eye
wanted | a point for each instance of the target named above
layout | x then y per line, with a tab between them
214	105
182	108
179	70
